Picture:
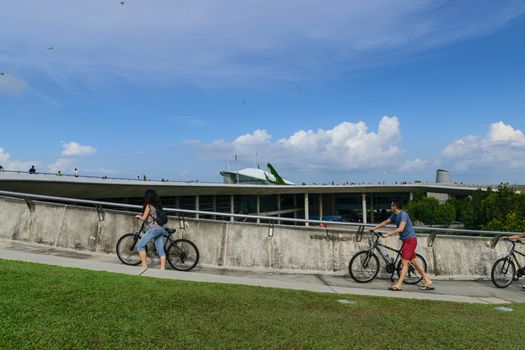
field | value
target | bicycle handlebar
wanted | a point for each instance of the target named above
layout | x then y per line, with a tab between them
378	234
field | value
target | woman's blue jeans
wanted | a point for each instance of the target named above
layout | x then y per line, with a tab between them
155	233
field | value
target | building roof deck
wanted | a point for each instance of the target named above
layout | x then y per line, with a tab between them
91	187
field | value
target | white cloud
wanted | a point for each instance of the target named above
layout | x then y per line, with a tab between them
11	85
500	150
70	149
348	146
11	164
61	164
500	133
75	149
257	137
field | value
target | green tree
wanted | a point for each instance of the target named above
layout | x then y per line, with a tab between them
418	195
423	210
501	210
465	212
512	222
445	214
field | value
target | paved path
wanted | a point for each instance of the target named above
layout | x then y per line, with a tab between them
482	292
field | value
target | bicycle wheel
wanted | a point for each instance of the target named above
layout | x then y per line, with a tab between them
503	272
182	255
126	249
413	275
364	266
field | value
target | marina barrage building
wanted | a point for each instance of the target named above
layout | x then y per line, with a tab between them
248	191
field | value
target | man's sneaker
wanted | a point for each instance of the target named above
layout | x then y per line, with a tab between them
523	286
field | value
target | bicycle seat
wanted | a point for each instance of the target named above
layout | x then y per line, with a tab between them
170	230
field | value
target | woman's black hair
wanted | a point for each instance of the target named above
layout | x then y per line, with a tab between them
152	198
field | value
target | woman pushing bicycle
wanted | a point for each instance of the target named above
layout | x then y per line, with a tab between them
153	229
407	234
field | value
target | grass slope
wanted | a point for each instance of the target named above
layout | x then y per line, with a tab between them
47	307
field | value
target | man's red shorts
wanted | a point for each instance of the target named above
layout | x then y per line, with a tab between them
408	248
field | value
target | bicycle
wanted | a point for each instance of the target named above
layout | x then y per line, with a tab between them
504	271
364	265
182	254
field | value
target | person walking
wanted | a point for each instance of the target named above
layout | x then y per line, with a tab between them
153	230
76	172
407	234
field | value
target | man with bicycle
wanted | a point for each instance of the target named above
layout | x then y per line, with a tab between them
407	234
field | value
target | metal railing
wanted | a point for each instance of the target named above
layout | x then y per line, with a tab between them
271	219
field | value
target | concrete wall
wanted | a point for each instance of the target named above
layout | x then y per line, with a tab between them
235	244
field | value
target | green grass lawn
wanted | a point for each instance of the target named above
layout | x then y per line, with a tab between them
47	307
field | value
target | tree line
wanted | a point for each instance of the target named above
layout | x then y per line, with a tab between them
493	210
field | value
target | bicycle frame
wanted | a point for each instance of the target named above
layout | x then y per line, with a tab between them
398	252
511	256
376	246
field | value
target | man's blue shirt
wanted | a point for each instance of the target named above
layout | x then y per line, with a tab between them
409	231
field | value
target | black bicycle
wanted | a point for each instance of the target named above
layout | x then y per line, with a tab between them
182	254
364	265
504	269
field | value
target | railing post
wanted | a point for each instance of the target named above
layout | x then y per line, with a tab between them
359	234
270	229
100	212
30	204
494	242
430	239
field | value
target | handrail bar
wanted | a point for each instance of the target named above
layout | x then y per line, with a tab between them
241	216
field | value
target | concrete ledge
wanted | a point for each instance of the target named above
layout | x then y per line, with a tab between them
238	245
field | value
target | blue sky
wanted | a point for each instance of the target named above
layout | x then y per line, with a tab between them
342	91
